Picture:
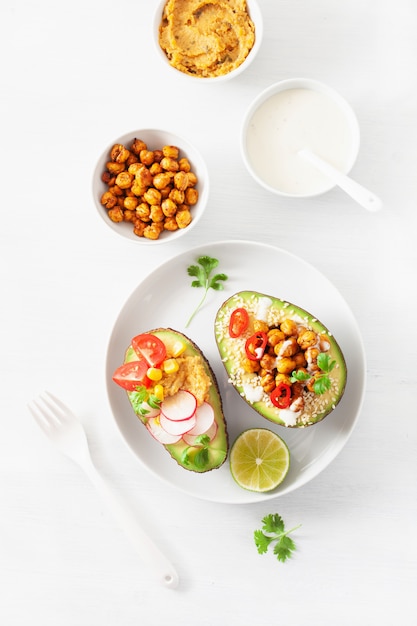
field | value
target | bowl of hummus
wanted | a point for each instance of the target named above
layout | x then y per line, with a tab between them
210	40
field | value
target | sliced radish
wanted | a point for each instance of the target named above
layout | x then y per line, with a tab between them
158	433
190	440
178	427
181	406
205	418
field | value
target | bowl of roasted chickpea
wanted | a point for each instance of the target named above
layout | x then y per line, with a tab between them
207	41
150	186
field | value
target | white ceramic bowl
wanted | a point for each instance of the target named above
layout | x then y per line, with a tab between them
289	116
155	140
256	17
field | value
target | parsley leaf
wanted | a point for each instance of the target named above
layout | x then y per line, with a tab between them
141	396
322	382
201	456
203	274
273	530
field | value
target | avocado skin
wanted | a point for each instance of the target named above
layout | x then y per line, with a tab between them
219	446
224	343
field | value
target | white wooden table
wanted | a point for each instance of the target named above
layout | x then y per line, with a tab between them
76	75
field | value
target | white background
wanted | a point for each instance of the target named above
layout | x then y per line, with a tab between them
76	75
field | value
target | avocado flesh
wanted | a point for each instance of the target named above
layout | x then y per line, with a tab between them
232	351
218	447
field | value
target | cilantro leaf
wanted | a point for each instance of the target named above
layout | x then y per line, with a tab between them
201	456
203	274
273	531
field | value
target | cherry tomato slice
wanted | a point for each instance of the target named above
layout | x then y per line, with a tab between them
239	321
281	396
131	375
150	348
255	346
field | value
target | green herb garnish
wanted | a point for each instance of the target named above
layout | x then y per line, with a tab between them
201	457
273	530
202	272
139	397
322	382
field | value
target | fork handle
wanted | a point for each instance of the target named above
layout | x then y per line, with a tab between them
147	549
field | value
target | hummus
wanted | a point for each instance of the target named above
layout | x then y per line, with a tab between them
206	38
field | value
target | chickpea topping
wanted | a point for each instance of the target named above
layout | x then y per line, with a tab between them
285	365
260	326
154	190
307	339
289	327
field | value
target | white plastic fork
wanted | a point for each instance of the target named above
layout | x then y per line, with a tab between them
64	429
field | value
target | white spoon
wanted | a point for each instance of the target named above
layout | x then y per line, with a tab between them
363	196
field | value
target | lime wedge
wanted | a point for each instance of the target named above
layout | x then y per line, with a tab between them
259	460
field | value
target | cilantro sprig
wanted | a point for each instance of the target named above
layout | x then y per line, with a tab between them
322	382
273	531
204	278
201	457
139	397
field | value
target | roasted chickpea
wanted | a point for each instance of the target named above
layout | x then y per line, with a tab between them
259	326
130	203
115	168
153	231
143	211
137	188
143	176
161	180
169	207
137	146
285	365
171	152
146	157
139	228
119	153
132	159
324	343
268	362
282	378
268	383
116	214
129	215
134	167
155	169
311	355
115	190
152	196
124	180
307	339
275	336
183	218
169	164
170	223
192	179
289	327
288	347
156	214
181	180
158	156
177	196
191	196
184	165
106	177
250	366
108	199
165	192
300	359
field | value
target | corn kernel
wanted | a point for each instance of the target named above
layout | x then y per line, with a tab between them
178	348
170	366
154	373
159	392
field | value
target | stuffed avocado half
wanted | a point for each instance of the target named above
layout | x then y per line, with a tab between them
174	392
280	359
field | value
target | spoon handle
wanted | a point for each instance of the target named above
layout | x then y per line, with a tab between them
363	196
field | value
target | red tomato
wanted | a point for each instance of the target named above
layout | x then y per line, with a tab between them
150	348
131	375
239	321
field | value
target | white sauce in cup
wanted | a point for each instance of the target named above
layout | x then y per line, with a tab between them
293	119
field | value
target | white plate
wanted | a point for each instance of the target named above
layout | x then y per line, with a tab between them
166	298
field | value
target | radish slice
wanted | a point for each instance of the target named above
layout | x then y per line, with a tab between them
181	406
158	433
178	427
205	418
190	440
